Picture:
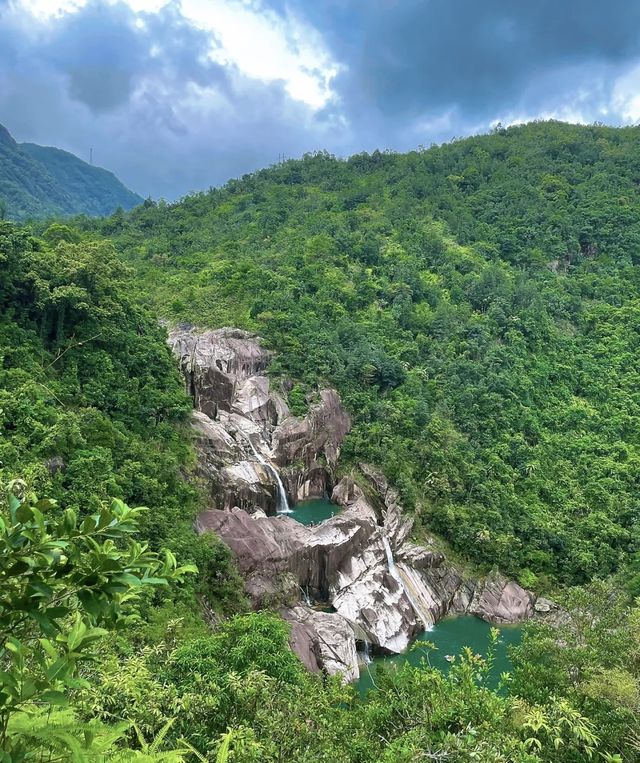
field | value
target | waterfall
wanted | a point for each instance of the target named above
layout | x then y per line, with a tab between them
366	652
417	599
305	596
283	503
390	560
422	614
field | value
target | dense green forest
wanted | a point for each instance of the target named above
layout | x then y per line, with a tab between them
91	404
39	181
477	305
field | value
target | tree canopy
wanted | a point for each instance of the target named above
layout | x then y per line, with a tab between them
477	306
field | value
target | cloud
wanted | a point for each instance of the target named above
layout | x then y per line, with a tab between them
414	57
267	46
177	95
165	102
109	55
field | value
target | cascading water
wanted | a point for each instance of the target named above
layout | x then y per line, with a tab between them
415	597
283	504
390	560
420	611
305	596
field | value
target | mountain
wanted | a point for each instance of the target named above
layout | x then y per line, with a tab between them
477	307
475	304
38	181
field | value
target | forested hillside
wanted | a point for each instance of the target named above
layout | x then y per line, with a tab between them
38	182
91	405
477	305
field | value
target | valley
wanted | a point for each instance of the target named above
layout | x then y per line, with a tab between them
355	404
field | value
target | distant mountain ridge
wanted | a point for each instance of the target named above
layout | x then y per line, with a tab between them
39	181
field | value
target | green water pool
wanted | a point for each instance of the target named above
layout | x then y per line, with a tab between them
313	511
450	636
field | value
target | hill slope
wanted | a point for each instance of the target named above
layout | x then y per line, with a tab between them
476	304
483	327
37	181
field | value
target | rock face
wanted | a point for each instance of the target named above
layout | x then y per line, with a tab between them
501	601
245	432
323	641
384	589
215	364
320	433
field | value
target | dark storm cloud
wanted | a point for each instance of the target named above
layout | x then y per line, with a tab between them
101	53
104	54
477	56
141	89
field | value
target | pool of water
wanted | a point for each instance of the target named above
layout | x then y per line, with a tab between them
450	636
313	511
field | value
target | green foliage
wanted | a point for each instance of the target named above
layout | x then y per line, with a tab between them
91	403
240	695
256	641
592	660
297	401
60	735
62	581
37	182
476	305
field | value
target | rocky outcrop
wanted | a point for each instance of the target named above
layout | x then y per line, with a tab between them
384	589
245	431
325	642
266	550
389	594
318	435
501	601
216	363
231	478
342	561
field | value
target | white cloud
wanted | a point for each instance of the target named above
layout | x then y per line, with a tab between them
259	42
625	96
44	10
266	46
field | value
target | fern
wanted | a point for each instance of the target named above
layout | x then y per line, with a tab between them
38	736
225	747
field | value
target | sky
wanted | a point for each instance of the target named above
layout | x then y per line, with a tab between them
177	96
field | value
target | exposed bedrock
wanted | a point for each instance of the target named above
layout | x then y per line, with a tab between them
319	434
380	583
384	588
325	642
216	363
252	432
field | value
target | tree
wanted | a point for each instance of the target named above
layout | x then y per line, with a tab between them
64	580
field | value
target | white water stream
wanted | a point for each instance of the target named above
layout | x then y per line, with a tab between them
390	560
283	504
